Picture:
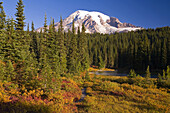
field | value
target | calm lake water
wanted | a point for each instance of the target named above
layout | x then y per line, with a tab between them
115	73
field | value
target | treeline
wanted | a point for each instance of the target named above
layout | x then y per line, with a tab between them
49	54
132	50
34	59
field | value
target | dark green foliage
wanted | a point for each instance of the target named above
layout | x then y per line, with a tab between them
52	48
168	72
32	27
72	53
164	54
163	75
83	56
28	28
20	16
2	16
159	78
53	26
45	23
132	74
10	74
62	49
148	74
164	79
101	63
130	50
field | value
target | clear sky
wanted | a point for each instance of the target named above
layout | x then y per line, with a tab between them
144	13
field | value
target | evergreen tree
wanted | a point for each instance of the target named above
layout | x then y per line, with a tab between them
164	75
131	54
101	63
2	16
20	16
45	24
168	51
73	28
159	80
52	44
72	53
83	55
62	49
10	74
34	41
32	27
9	26
131	50
164	54
2	69
148	74
146	51
132	74
84	49
28	69
53	25
28	28
42	45
78	63
68	40
10	43
42	48
110	58
168	72
141	55
46	73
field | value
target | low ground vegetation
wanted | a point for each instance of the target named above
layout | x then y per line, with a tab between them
123	94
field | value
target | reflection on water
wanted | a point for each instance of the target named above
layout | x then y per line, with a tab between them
109	73
116	73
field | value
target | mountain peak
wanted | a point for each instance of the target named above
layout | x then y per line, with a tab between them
96	22
96	16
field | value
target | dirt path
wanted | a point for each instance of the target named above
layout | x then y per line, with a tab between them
83	95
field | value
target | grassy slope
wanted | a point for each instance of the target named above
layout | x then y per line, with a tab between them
104	94
115	94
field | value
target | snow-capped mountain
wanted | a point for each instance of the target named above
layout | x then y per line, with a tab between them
95	22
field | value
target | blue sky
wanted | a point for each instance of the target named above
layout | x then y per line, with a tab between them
144	13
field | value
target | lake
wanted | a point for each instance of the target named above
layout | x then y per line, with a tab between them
116	73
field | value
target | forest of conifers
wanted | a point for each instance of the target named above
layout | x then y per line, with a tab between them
51	52
132	50
33	61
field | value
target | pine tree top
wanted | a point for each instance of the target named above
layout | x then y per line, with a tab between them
20	16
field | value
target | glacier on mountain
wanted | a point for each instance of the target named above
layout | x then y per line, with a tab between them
95	22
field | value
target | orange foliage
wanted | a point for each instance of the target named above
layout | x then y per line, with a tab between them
21	100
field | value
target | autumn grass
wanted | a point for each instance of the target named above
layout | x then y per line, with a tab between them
15	99
105	94
92	69
108	94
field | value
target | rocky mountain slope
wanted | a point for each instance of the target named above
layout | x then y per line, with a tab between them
95	22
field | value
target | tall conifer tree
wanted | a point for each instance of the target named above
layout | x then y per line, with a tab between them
20	16
45	23
2	16
28	28
84	49
32	27
164	54
72	53
62	48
